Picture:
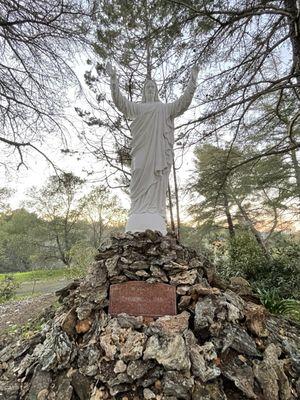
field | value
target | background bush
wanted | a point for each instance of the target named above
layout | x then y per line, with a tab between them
8	287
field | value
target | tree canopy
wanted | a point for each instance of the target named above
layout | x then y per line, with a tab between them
38	39
248	92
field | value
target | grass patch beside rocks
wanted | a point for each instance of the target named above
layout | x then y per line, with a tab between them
40	274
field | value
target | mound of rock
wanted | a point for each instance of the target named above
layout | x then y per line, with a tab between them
222	344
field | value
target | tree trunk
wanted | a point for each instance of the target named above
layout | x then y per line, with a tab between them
228	216
255	233
292	7
148	41
296	167
177	201
62	253
171	210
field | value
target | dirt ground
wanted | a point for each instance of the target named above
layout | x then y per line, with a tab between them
20	312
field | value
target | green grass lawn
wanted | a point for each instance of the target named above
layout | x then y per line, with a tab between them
39	274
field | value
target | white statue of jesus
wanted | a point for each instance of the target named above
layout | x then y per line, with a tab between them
152	151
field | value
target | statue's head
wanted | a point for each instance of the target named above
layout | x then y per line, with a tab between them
150	91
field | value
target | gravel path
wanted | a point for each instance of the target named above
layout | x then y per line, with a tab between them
42	287
19	312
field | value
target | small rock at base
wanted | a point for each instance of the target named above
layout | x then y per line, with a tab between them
43	394
120	367
157	384
172	323
148	394
83	326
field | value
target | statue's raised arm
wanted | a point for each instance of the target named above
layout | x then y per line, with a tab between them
128	108
179	106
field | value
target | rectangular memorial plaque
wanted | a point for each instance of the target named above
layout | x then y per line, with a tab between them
142	298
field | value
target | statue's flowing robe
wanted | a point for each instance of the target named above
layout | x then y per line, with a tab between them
152	132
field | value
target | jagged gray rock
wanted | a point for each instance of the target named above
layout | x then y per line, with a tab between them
178	385
170	351
220	346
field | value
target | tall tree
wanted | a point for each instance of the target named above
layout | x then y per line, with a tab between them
38	40
58	203
250	52
211	192
102	212
21	238
5	194
253	196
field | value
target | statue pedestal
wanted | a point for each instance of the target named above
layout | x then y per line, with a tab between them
144	221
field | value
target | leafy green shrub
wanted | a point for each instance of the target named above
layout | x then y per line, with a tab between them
272	300
245	257
210	244
8	287
285	269
82	255
281	272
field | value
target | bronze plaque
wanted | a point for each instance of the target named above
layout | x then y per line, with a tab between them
142	298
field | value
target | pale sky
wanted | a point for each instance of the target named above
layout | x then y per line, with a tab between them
39	170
